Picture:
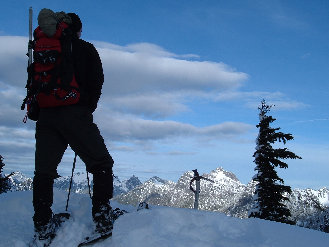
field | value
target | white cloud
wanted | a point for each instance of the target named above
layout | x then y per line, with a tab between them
278	104
287	104
136	69
151	105
16	140
247	96
313	120
252	99
280	15
150	49
121	127
13	60
11	99
143	78
146	48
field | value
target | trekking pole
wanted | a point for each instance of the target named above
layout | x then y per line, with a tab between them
68	196
30	36
29	63
89	189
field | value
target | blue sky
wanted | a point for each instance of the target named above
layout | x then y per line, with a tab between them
183	80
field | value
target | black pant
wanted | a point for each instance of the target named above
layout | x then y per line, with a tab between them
57	128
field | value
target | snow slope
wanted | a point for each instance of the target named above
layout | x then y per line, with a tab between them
158	227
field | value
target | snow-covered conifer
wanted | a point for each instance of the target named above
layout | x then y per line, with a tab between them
4	183
270	191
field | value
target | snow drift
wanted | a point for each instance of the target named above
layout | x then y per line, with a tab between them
158	227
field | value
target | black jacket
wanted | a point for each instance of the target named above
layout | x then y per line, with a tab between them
88	71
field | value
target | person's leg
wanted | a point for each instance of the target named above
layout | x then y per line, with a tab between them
42	201
102	193
85	139
50	147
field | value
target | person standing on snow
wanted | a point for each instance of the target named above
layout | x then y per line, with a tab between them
58	127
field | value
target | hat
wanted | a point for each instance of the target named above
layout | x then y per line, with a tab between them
76	22
47	21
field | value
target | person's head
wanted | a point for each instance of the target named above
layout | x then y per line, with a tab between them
76	25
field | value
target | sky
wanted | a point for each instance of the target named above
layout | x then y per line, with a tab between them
183	82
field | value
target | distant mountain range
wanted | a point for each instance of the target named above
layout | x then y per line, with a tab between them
226	194
20	182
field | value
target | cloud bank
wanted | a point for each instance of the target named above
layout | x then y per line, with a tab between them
145	88
147	67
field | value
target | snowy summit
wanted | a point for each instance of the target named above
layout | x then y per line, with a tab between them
157	227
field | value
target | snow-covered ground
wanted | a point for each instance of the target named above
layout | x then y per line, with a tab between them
158	227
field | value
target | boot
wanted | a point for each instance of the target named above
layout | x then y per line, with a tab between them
42	202
102	193
44	234
102	217
45	223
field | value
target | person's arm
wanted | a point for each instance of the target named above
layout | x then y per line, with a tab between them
95	78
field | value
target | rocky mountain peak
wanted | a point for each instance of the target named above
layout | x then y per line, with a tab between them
156	180
220	175
132	183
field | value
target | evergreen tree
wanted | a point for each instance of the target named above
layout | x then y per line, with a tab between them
270	191
4	182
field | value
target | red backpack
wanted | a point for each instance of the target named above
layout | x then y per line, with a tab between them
51	80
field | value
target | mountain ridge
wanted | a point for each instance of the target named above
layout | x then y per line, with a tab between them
225	193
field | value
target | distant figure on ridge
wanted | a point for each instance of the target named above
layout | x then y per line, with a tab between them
196	191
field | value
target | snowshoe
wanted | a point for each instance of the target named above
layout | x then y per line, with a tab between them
116	213
101	234
95	238
45	234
